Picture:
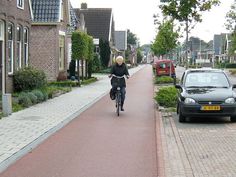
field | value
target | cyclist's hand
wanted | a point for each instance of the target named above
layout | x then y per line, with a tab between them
110	76
127	76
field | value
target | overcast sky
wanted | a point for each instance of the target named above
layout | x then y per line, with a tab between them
138	17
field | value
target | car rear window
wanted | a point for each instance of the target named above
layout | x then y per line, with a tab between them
206	79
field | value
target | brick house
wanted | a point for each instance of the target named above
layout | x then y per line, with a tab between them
50	43
15	26
99	24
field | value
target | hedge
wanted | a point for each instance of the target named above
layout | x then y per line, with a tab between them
167	96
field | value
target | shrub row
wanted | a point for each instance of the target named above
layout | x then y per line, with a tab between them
167	96
88	81
27	99
67	83
163	80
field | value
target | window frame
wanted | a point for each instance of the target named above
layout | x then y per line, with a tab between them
20	4
19	46
10	42
26	45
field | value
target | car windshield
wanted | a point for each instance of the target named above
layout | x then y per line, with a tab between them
206	79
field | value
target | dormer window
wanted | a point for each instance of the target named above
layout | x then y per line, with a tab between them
20	4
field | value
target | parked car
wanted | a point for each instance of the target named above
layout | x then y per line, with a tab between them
165	68
205	93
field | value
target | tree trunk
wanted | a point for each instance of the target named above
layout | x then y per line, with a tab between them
82	65
78	70
186	51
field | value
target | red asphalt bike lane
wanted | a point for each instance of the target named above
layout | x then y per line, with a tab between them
100	144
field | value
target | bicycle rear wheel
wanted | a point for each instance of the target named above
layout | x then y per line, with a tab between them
118	105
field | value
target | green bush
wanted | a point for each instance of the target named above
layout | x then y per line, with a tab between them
167	96
52	90
28	79
16	107
24	100
45	94
39	95
32	97
164	80
96	64
88	81
67	83
106	71
230	65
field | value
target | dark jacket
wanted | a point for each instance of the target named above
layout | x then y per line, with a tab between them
119	70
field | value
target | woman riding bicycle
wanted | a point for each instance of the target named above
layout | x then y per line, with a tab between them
119	69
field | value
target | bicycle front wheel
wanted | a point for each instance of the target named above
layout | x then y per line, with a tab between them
118	105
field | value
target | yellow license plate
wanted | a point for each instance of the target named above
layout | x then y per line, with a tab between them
210	108
161	71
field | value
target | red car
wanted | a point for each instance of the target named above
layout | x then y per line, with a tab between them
165	68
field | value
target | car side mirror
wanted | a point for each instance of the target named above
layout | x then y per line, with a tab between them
178	86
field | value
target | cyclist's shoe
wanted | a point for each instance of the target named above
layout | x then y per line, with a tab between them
122	109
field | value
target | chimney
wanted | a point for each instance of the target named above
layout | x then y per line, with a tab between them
83	5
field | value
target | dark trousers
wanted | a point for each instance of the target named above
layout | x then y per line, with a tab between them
123	93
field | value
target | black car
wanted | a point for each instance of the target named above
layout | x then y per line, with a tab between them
205	93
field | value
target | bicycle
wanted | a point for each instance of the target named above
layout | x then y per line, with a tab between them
118	94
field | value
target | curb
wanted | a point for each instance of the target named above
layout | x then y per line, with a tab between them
159	144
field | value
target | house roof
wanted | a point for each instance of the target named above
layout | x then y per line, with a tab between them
98	21
121	40
46	10
74	21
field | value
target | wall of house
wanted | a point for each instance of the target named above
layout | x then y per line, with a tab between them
45	49
10	13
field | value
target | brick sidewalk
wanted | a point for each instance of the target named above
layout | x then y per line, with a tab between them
24	130
199	148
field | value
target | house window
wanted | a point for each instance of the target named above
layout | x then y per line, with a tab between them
1	30
19	47
20	4
62	53
10	48
62	11
26	46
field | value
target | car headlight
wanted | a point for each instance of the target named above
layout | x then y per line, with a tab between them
189	101
230	100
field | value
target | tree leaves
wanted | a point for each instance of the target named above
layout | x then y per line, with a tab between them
166	39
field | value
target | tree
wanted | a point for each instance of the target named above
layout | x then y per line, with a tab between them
105	52
89	63
187	11
166	38
131	38
231	19
79	48
139	56
231	25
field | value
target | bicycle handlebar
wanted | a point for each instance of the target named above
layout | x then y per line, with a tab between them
118	76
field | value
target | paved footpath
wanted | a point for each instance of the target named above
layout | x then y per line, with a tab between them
199	148
95	144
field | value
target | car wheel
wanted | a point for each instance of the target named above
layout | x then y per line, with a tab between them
233	118
181	117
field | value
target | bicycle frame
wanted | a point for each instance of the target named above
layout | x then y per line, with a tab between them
118	95
118	101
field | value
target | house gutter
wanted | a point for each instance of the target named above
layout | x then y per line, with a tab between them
45	23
